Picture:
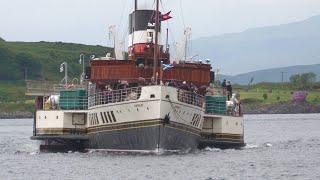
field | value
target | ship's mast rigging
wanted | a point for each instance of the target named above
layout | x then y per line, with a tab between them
156	45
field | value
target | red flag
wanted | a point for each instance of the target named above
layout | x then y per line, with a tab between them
165	17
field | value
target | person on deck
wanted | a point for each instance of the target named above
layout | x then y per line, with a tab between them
224	86
229	90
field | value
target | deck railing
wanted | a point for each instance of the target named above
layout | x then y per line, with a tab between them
107	97
46	88
190	98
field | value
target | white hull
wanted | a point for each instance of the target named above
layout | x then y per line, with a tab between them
160	118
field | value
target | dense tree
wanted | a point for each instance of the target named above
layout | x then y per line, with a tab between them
7	65
303	81
28	64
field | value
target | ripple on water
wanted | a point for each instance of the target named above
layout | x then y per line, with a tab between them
276	149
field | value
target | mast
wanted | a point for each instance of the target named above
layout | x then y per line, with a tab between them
135	5
156	45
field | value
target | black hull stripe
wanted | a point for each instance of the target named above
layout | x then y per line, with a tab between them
143	124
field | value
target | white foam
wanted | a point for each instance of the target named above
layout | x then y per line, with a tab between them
33	153
268	144
212	149
251	146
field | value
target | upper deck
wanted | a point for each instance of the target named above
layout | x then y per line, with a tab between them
115	70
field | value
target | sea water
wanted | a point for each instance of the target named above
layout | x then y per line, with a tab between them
278	147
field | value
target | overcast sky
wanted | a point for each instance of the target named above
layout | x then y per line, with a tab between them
86	21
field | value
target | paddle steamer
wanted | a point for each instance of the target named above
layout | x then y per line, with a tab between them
144	103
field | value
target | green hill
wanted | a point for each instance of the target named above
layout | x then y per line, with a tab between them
41	60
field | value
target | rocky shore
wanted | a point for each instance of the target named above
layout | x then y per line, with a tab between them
281	108
16	115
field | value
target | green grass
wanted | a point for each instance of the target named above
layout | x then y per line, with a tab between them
285	95
12	97
12	92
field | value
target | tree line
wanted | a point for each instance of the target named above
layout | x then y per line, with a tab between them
304	81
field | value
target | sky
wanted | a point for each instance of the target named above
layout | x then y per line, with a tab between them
87	21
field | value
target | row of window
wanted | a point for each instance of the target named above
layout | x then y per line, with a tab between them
93	119
196	120
106	117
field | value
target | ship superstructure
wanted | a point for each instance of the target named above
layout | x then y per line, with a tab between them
144	103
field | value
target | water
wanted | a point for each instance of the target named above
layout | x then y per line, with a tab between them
279	147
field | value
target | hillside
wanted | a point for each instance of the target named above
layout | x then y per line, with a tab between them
41	60
274	74
263	48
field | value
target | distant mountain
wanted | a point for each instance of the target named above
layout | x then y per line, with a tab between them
262	48
273	75
1	39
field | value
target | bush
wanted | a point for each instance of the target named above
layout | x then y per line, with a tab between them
265	96
316	99
300	96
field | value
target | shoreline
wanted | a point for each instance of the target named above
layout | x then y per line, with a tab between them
16	115
282	108
248	109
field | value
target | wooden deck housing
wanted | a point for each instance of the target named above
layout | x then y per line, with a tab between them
115	70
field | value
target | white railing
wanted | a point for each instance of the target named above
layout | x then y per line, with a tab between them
190	98
107	97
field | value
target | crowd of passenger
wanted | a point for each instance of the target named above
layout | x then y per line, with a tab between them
188	92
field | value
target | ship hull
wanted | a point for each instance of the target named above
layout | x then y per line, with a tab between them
152	137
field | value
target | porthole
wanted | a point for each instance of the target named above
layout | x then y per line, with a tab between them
148	108
167	96
152	96
45	117
138	109
236	123
57	117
